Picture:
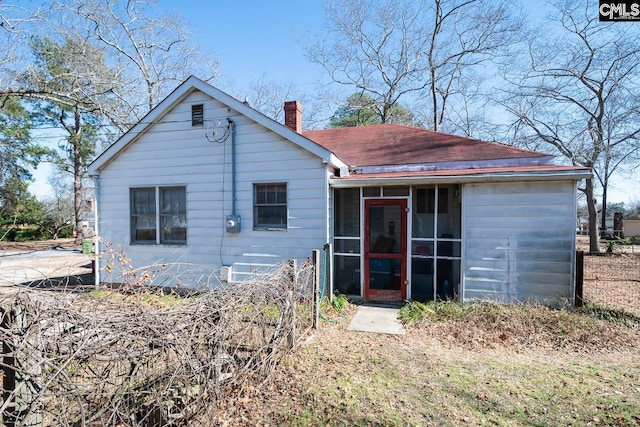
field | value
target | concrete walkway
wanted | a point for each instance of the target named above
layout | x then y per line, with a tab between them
382	320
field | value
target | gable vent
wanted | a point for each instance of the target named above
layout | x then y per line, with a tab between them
197	115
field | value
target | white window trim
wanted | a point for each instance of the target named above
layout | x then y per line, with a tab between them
157	189
271	227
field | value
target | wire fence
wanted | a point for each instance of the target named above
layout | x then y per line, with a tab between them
613	280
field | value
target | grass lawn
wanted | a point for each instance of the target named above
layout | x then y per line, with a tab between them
484	365
473	364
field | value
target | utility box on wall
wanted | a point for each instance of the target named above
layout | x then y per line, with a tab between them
226	273
232	223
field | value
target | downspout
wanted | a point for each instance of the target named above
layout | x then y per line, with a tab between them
233	221
234	197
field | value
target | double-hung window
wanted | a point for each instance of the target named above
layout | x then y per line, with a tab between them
270	206
159	215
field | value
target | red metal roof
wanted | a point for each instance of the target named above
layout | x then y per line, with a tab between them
391	144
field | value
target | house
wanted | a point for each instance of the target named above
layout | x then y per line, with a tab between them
409	213
631	228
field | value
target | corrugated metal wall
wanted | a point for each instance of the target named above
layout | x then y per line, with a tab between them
519	242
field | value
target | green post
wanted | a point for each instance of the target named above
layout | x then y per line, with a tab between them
87	246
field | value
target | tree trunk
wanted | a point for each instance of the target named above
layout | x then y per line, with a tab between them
603	225
593	217
78	174
22	365
77	197
605	184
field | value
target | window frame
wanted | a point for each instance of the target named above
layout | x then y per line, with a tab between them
160	217
266	203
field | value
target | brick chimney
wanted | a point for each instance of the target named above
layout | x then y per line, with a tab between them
293	115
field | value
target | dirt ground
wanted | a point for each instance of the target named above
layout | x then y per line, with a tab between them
38	245
612	279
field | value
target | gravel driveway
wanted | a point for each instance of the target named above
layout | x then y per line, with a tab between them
31	268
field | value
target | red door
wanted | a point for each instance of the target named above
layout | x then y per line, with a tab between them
385	250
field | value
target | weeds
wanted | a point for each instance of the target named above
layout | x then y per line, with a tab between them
435	311
157	300
414	311
491	325
426	378
609	314
613	243
334	311
340	302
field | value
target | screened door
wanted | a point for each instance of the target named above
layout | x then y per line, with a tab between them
385	257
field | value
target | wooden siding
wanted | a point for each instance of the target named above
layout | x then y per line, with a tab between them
172	152
519	242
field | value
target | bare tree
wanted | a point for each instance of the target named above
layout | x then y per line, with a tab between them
579	95
376	48
15	25
151	52
466	35
99	67
148	52
59	208
268	97
405	49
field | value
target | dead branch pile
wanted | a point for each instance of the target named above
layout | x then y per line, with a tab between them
138	360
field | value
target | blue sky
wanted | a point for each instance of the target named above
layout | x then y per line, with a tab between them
252	39
263	38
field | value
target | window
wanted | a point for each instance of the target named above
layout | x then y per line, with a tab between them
425	200
270	206
197	115
159	215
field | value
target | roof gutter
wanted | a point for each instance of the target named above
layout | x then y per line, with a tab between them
369	181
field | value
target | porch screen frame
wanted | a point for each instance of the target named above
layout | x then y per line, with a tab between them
437	243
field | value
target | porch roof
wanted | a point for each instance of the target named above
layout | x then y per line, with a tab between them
458	176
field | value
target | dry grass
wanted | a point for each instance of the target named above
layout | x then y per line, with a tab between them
466	365
493	326
451	373
481	364
613	280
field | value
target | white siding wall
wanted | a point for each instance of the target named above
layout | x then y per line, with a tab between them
519	242
173	152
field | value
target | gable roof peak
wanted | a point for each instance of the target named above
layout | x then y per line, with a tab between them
236	106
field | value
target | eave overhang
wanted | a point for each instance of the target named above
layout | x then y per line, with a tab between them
518	174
